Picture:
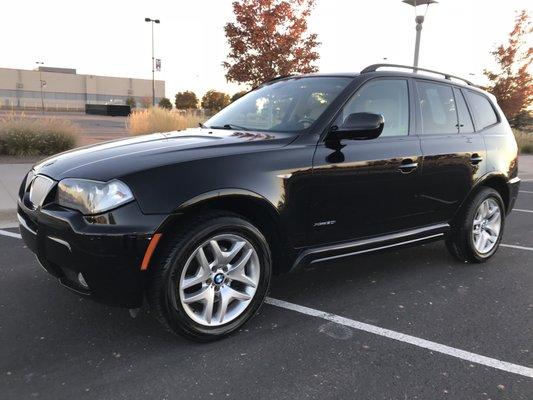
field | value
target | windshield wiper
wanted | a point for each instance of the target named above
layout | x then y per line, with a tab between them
230	126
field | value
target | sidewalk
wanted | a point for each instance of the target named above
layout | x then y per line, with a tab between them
11	176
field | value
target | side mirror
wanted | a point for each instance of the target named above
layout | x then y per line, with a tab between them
359	126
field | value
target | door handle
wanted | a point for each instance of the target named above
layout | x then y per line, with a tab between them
475	159
408	166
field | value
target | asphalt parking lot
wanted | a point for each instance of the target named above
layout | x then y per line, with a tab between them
450	331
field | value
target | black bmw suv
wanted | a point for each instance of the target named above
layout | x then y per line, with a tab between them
300	170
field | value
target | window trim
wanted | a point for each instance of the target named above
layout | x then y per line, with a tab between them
410	122
496	113
419	120
454	88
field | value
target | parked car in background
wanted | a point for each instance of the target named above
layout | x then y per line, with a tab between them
301	170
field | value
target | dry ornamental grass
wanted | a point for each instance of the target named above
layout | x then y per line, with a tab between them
21	135
524	139
152	120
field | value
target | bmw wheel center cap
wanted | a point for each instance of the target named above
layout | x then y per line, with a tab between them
219	278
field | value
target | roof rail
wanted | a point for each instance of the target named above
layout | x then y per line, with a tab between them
375	67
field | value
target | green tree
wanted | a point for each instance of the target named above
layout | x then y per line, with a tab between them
130	101
215	101
165	103
186	100
238	95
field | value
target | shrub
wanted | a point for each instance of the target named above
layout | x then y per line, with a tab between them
25	136
165	103
522	121
186	100
154	120
130	101
215	101
524	141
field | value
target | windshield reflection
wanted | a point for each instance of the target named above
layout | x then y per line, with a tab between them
289	105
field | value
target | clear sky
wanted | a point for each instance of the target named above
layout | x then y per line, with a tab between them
111	38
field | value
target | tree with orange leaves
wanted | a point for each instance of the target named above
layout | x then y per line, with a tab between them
269	39
512	83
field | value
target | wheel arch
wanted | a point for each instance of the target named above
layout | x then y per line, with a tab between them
250	205
495	180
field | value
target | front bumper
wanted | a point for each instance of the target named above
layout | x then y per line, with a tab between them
107	249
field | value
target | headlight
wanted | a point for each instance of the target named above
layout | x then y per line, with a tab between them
29	179
92	197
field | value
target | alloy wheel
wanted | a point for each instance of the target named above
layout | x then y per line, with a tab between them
219	280
486	226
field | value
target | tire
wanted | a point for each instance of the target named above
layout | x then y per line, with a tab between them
462	242
174	304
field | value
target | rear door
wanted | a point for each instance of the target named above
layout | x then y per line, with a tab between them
453	153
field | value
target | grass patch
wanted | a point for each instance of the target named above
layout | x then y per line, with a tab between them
21	135
524	139
156	119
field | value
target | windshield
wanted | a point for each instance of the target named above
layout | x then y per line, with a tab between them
289	105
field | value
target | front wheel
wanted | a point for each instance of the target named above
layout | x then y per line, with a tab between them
213	277
478	230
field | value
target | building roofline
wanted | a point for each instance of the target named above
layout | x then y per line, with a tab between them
77	74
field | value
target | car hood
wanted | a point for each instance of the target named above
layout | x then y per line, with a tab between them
119	158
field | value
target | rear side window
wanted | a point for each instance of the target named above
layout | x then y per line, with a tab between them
437	108
484	114
465	121
388	97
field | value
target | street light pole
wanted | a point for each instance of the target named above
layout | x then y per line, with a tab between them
41	84
419	19
153	58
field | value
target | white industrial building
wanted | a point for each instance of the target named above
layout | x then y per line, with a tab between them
64	89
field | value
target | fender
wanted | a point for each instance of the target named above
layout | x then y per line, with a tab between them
220	193
480	182
256	208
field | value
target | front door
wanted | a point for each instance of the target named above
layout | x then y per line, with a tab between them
367	187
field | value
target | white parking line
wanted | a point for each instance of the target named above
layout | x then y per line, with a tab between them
402	337
521	210
526	191
514	246
7	225
10	234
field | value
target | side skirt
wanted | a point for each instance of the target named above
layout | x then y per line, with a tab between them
347	249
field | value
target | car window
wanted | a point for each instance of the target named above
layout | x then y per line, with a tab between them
437	108
484	114
465	121
388	97
289	105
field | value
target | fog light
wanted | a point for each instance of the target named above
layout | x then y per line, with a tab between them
82	282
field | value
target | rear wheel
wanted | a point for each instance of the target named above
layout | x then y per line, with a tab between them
477	232
212	278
